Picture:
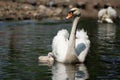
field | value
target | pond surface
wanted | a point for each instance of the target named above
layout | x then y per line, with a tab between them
22	42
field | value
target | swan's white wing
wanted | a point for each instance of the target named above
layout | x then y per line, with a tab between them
60	45
81	34
79	45
82	45
101	12
112	12
82	48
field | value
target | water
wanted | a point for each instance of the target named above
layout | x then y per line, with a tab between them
22	42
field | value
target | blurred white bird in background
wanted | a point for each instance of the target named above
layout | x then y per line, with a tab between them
107	15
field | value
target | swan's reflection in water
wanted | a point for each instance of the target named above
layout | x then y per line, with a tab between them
106	31
69	72
106	38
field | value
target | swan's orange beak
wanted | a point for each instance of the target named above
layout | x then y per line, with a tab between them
69	15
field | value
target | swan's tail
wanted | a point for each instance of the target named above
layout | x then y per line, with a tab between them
81	34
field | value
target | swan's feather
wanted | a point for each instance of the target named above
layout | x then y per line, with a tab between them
81	34
60	45
64	33
82	44
101	12
112	12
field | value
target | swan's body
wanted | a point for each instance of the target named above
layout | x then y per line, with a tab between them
73	48
107	15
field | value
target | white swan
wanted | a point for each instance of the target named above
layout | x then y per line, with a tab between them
73	48
107	15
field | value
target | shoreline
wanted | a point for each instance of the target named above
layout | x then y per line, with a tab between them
40	9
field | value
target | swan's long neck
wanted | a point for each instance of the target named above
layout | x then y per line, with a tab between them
71	54
72	34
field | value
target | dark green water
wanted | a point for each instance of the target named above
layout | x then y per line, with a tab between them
22	42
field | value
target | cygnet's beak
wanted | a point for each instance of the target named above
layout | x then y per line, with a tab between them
69	15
